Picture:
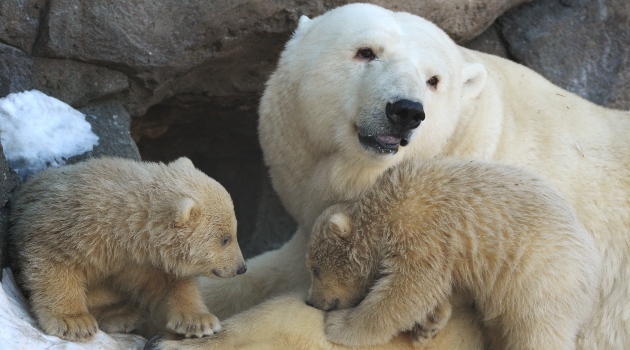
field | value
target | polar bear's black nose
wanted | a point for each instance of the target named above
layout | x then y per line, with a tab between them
405	113
242	270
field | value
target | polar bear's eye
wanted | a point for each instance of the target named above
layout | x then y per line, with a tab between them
316	272
226	240
433	82
366	54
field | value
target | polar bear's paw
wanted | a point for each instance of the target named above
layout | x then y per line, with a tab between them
426	329
120	320
353	331
336	327
190	324
77	328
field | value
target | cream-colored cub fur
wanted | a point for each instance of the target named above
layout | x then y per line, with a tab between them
324	115
495	232
103	242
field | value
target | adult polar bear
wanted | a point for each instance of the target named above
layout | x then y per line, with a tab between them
343	106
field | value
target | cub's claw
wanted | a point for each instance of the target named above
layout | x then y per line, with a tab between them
426	329
194	324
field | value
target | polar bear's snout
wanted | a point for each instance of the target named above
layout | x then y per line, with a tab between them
385	132
405	114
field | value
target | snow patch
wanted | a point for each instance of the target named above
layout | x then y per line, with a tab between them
38	131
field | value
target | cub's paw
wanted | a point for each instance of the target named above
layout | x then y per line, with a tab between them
337	329
120	320
77	328
426	329
190	324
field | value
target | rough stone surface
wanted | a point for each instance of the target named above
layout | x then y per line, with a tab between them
273	225
76	83
580	45
157	42
9	182
111	123
15	70
19	22
490	41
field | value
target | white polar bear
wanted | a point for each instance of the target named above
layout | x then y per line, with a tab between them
359	89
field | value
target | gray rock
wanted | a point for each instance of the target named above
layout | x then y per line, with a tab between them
461	19
111	123
76	83
19	22
580	45
168	47
15	70
9	182
274	226
490	41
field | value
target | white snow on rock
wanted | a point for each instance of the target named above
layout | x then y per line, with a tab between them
19	331
38	131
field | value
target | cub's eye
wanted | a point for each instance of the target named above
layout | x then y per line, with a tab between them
433	82
316	272
226	240
366	54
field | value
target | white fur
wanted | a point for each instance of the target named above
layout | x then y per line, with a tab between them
484	107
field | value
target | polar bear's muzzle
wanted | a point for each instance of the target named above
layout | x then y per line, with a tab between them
403	116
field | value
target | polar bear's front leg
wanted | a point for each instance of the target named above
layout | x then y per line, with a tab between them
392	306
59	302
184	312
269	274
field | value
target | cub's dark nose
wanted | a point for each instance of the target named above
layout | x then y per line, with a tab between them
405	113
242	270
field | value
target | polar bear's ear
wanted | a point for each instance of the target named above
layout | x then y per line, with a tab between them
303	23
474	77
183	161
183	209
340	225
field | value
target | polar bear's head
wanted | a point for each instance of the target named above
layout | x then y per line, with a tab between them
192	224
341	262
371	81
362	88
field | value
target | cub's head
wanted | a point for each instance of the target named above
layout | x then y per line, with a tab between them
340	260
369	83
196	225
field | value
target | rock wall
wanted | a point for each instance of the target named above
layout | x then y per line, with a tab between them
189	74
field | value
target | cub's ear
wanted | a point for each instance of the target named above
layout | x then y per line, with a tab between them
182	210
474	77
303	23
340	226
183	161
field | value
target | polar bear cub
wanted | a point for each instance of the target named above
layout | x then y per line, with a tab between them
109	241
496	233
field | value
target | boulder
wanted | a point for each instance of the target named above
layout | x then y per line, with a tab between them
9	182
580	45
111	123
15	70
76	83
19	22
163	44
